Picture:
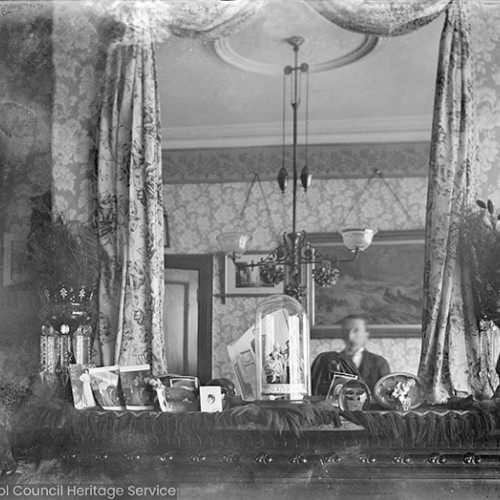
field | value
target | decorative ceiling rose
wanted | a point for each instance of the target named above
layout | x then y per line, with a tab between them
228	54
261	46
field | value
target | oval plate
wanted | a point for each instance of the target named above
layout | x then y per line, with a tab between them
384	389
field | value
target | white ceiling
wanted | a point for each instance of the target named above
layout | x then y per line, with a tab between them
386	95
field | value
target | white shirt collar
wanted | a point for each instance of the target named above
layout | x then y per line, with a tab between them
357	356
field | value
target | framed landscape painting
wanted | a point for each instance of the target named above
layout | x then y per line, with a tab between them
385	284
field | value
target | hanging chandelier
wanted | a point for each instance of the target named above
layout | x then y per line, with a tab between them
287	262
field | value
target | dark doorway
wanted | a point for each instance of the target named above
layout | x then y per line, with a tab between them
188	314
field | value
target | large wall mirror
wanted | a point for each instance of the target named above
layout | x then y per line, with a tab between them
370	106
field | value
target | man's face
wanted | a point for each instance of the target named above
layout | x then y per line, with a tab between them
355	334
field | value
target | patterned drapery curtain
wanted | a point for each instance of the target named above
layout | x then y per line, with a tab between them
129	211
380	17
455	358
128	179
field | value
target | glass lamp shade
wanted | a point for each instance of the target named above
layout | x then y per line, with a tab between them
233	243
360	238
282	349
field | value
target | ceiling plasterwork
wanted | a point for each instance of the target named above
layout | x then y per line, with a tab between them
230	93
262	47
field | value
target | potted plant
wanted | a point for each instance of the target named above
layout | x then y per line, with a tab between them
64	259
481	242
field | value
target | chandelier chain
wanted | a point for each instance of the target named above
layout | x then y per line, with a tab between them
378	173
283	127
299	87
306	145
357	198
256	179
247	198
268	210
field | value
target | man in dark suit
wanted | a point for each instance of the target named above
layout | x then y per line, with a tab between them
371	366
354	359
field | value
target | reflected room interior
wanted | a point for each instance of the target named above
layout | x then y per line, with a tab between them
367	128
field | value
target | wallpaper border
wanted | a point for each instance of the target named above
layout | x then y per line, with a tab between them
333	161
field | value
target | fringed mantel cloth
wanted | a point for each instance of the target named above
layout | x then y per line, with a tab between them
61	428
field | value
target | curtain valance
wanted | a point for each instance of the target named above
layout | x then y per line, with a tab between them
205	19
380	17
211	19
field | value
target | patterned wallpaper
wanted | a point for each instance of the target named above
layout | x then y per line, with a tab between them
79	58
199	212
486	56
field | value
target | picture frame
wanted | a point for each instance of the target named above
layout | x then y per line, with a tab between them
246	280
137	392
241	353
106	387
15	261
81	387
384	284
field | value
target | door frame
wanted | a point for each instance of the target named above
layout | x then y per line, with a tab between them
204	264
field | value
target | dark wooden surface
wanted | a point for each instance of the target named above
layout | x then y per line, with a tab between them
247	461
256	464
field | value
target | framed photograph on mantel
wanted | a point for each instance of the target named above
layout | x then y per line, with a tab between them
385	284
241	280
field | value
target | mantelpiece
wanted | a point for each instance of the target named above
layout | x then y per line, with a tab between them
332	452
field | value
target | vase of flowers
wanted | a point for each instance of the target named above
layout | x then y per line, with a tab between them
481	240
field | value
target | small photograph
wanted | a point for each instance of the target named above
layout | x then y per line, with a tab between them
180	388
181	393
211	398
105	383
182	382
339	380
81	387
137	391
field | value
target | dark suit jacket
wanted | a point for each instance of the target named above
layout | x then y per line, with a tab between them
323	368
372	368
